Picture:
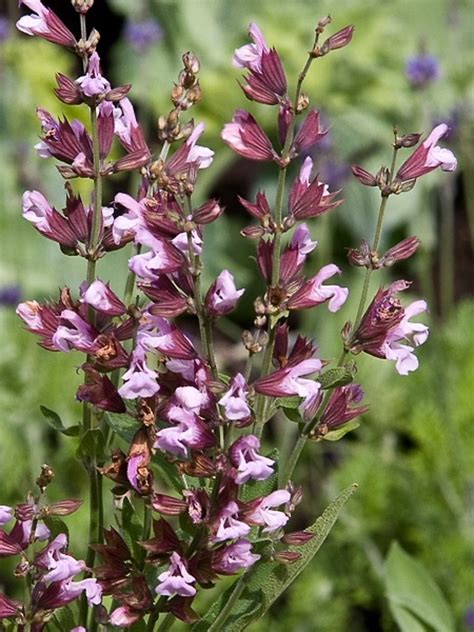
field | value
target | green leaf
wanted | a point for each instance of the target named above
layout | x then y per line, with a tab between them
289	402
268	580
412	591
52	418
64	619
55	422
92	443
405	620
337	434
168	471
56	526
339	376
292	414
124	425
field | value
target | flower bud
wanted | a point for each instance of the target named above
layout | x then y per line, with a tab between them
177	93
253	232
191	63
303	103
45	477
360	257
323	22
194	94
62	507
364	176
82	6
408	140
297	538
403	250
286	557
338	40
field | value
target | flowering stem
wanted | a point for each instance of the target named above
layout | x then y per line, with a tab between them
96	519
155	613
205	325
290	465
376	242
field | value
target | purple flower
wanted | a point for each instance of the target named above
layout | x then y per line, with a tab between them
313	292
191	431
222	296
249	464
139	380
245	136
310	198
266	82
289	381
127	128
309	133
74	333
30	313
4	28
405	331
229	528
10	295
93	84
71	590
422	70
263	516
141	35
235	399
428	156
231	559
302	242
250	55
46	24
102	298
37	210
385	329
176	580
6	514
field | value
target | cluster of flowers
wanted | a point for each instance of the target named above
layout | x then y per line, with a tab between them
188	415
51	569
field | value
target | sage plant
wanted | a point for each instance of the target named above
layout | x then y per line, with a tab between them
198	493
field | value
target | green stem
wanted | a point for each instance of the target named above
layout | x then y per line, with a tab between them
167	623
223	615
96	514
155	613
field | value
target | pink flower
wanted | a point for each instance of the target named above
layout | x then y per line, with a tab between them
250	55
313	292
93	84
302	242
37	210
414	333
229	528
245	136
428	156
235	399
309	133
101	297
231	559
262	515
6	514
45	24
289	381
176	580
74	333
190	155
30	313
222	296
249	464
310	198
139	380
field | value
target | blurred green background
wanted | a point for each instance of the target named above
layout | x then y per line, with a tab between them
413	455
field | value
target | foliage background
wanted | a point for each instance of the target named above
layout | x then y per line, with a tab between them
413	455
